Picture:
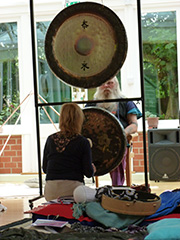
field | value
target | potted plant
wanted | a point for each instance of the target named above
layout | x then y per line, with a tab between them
152	120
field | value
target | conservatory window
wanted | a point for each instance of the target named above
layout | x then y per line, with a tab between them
9	72
51	89
160	63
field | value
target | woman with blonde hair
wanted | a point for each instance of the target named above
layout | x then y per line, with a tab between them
67	155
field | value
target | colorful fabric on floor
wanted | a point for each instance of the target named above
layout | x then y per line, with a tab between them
26	234
171	215
58	210
129	194
169	201
110	219
93	223
165	229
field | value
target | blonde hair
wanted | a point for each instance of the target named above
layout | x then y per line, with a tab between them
71	118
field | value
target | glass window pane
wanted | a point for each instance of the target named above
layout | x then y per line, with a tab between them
160	63
9	74
51	89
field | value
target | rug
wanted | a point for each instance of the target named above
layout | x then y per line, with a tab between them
26	222
28	234
22	230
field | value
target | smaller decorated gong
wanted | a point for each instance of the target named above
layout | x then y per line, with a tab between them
108	138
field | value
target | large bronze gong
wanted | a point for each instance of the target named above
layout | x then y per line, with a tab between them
86	44
108	138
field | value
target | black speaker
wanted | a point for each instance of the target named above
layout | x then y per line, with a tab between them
164	154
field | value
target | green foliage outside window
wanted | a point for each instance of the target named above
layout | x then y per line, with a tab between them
9	73
8	108
160	64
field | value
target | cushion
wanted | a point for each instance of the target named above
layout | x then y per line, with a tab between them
84	194
164	229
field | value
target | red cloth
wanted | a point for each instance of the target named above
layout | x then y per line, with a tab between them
61	210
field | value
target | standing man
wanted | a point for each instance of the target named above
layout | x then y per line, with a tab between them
127	113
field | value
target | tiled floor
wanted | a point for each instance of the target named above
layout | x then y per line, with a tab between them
16	206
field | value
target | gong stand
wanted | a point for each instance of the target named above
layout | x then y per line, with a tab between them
37	105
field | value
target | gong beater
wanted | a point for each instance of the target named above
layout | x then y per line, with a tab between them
86	44
108	138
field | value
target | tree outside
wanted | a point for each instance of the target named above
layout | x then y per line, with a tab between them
160	63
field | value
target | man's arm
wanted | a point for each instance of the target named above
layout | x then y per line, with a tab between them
133	124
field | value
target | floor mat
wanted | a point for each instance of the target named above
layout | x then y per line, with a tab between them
20	223
21	233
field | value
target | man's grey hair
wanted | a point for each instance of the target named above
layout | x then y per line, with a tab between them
116	91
